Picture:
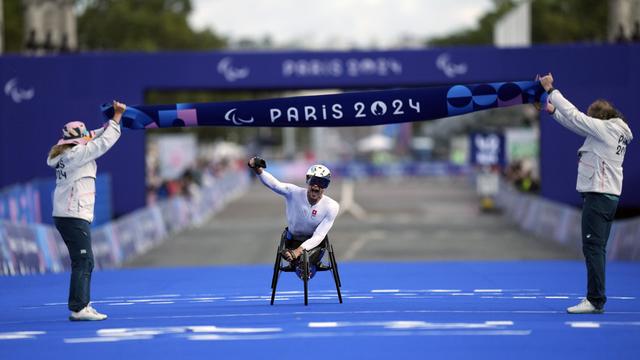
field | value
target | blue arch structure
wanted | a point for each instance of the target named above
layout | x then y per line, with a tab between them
39	94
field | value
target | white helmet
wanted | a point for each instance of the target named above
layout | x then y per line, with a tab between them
319	175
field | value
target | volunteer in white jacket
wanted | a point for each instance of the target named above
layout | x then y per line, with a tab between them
310	213
73	157
599	181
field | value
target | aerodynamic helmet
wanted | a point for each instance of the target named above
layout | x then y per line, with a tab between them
319	175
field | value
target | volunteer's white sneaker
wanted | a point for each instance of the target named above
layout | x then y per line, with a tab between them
87	314
584	307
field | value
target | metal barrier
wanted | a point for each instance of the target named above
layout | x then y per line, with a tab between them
562	223
38	248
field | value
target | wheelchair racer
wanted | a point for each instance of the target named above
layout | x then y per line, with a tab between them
310	213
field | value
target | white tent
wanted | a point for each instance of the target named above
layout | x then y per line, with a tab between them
375	142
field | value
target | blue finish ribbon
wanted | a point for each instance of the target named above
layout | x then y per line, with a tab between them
363	108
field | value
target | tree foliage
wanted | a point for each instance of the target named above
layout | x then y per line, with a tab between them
552	21
482	35
141	25
568	21
13	25
127	25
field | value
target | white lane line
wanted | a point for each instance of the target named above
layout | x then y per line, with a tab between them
385	290
597	324
324	324
20	335
102	339
556	297
324	334
143	296
307	313
583	324
488	290
161	303
498	323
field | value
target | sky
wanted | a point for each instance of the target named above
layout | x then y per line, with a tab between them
337	23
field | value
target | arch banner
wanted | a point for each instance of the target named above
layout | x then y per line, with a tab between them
362	108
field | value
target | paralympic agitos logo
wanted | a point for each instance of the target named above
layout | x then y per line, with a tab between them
332	111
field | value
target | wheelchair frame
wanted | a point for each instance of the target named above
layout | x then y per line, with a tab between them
333	266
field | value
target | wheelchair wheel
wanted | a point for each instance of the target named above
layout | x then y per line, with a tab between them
305	276
334	271
276	272
276	268
274	281
334	265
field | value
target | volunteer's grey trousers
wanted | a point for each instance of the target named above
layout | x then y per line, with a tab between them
598	212
76	234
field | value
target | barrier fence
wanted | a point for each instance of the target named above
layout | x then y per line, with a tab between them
32	202
38	248
562	223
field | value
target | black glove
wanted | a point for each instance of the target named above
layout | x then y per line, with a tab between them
288	255
257	163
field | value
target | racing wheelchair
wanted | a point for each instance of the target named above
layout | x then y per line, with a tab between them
306	265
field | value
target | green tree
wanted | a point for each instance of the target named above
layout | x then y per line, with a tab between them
141	25
567	21
552	22
13	25
483	34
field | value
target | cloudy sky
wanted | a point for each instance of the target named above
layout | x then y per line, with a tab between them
337	23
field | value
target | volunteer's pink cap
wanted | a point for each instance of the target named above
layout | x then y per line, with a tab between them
75	133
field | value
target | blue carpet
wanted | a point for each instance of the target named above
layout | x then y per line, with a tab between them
479	310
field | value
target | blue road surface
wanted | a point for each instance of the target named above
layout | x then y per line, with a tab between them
418	310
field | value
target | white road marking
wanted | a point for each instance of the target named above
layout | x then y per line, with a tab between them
20	335
583	324
598	324
342	334
104	339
